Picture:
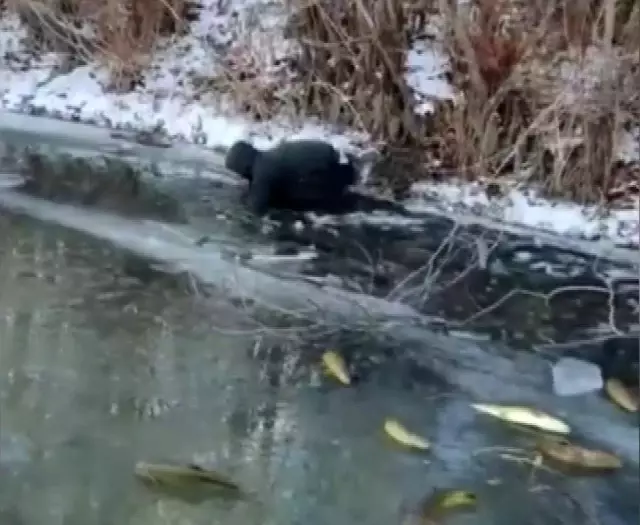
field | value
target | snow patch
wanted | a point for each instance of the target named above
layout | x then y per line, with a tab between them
382	219
527	208
425	69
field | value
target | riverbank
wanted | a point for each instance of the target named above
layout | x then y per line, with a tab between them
171	96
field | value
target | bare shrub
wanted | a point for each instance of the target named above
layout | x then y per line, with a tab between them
544	88
54	25
256	79
627	25
122	33
352	65
359	48
545	85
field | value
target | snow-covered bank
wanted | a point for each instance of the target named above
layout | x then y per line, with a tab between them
524	208
169	101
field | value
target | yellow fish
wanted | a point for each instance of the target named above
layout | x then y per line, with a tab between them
336	366
403	436
448	500
577	456
177	475
621	395
523	415
434	508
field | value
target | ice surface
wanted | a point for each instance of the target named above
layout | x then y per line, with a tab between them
572	377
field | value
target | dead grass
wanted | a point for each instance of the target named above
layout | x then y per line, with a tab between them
345	65
545	85
255	78
352	63
548	86
120	33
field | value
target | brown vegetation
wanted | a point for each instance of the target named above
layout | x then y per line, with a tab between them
545	85
351	71
507	60
119	32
